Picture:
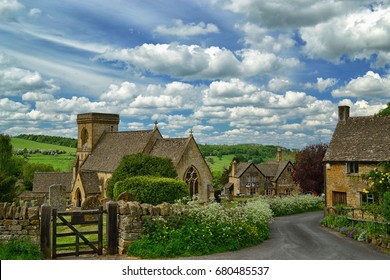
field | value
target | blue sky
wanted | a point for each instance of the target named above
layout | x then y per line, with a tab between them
248	71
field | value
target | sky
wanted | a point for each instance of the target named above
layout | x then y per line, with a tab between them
246	71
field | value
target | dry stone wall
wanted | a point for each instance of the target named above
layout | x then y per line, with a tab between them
19	221
132	216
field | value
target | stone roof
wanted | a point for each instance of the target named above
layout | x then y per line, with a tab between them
273	169
90	182
172	148
364	139
43	180
113	146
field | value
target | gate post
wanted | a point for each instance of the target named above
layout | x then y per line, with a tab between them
45	230
112	228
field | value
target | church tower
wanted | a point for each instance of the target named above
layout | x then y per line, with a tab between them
91	126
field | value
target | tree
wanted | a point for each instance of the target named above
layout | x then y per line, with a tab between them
308	170
141	165
30	168
5	154
7	187
385	111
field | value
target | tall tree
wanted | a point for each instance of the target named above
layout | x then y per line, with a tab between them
308	169
5	154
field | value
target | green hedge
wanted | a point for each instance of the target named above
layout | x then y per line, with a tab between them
152	190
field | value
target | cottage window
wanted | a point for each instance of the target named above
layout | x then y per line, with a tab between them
367	198
352	167
269	192
288	192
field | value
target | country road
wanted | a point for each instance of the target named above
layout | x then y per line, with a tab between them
301	237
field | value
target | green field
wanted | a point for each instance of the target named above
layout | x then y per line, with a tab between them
60	162
219	164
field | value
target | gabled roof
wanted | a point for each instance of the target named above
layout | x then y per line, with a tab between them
43	180
241	167
90	182
113	146
360	139
172	148
273	168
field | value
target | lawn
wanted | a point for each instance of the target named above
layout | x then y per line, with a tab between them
218	164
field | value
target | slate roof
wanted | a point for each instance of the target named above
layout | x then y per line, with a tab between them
365	139
113	146
90	182
271	169
172	148
43	180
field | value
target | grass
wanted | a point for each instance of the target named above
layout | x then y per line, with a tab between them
219	163
20	249
20	144
61	162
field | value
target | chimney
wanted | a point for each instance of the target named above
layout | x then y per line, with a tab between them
234	163
279	155
343	113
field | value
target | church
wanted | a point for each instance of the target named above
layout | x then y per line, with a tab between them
100	149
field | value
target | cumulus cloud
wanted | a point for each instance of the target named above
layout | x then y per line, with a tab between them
125	91
15	81
192	62
186	30
370	85
358	34
287	14
8	8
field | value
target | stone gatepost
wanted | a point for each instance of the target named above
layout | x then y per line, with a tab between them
57	197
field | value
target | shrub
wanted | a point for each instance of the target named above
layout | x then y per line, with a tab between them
20	249
152	190
205	229
288	205
386	206
141	165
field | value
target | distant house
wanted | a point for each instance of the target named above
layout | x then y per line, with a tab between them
358	145
100	150
272	178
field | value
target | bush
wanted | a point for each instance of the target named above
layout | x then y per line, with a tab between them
141	165
20	249
204	230
288	205
386	206
152	190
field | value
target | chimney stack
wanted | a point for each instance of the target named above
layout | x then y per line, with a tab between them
279	155
234	163
343	113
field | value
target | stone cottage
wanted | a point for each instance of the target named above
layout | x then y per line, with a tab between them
271	178
101	148
357	146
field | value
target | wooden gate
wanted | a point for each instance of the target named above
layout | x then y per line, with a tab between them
87	228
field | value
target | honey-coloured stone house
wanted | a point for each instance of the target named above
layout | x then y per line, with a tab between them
271	178
357	146
101	147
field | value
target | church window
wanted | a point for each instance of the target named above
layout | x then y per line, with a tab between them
192	180
84	138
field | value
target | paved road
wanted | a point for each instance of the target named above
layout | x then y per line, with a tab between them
301	237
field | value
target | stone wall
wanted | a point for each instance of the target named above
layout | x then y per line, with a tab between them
19	221
132	216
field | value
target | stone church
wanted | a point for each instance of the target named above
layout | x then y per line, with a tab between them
101	147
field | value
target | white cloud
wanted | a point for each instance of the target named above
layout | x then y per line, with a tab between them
192	62
126	91
34	12
370	85
358	35
185	30
287	14
8	8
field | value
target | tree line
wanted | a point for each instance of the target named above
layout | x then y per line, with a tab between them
55	140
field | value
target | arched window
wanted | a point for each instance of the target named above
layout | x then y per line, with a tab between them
84	138
78	198
192	180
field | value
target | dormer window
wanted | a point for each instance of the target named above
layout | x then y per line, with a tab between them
352	167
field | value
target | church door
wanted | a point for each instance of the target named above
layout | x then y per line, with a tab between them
192	180
78	198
